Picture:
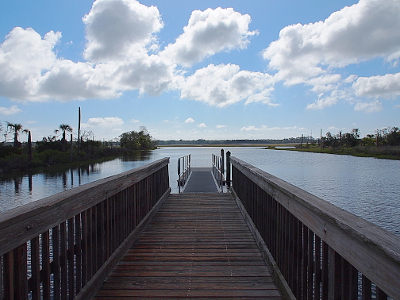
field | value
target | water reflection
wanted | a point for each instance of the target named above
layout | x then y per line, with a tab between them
364	186
17	189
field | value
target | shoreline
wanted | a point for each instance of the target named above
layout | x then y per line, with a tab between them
384	152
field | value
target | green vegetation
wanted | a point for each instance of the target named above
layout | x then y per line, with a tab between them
137	140
384	143
57	150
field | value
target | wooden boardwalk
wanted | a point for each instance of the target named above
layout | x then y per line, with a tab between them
197	246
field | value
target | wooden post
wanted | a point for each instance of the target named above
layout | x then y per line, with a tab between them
29	147
79	130
72	149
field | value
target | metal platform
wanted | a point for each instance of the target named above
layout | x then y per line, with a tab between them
201	180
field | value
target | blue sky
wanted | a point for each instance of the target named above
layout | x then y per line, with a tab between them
200	69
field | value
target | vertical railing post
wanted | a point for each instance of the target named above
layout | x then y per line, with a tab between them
222	162
179	174
228	168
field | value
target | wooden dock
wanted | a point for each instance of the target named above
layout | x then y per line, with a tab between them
127	236
196	246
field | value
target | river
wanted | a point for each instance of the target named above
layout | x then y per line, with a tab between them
367	187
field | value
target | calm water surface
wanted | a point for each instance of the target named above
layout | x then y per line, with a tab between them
367	187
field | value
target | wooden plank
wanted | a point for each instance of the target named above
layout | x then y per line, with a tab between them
196	246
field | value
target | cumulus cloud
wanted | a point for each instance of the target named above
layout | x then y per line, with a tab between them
103	122
189	120
121	55
118	29
354	34
202	125
24	55
308	53
224	85
386	86
209	32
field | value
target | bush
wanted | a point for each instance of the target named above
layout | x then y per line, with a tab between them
14	162
51	157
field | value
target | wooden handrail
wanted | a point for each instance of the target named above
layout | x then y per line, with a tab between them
62	241
323	252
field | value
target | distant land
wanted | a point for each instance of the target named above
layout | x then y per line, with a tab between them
245	142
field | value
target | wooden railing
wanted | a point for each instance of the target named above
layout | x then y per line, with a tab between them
63	246
315	249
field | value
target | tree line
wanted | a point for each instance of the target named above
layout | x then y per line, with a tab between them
389	136
61	147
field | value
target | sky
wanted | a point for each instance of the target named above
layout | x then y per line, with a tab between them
202	69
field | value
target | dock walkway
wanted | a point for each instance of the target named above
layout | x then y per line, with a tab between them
196	246
201	180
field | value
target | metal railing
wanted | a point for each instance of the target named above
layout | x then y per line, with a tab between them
183	170
315	249
218	169
64	246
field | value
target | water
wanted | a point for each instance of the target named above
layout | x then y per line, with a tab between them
367	187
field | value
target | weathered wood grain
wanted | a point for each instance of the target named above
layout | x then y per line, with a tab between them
196	246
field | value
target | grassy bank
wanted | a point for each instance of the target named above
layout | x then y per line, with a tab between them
387	152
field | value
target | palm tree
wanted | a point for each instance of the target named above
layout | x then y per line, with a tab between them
16	128
64	128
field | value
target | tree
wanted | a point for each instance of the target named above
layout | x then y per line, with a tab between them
351	139
64	128
137	140
16	128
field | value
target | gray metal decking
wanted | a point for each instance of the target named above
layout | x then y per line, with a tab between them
201	180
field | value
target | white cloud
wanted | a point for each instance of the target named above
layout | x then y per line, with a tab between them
363	31
221	126
369	107
322	103
24	55
71	81
116	30
122	54
135	121
224	85
103	122
189	120
264	128
148	74
386	86
8	111
202	125
209	32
